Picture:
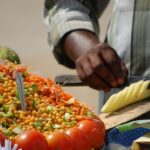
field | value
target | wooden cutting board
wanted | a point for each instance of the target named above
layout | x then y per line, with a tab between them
126	114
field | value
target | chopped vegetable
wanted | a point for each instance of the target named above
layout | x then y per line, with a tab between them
56	126
1	77
17	130
34	87
67	116
5	108
9	115
69	124
2	114
48	107
8	132
5	124
90	113
38	124
35	103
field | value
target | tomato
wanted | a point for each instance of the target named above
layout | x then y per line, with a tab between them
95	130
2	138
31	140
59	141
79	139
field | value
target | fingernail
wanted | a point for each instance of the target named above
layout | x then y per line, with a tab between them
121	80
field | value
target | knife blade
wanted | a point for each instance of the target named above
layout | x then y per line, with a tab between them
19	81
74	80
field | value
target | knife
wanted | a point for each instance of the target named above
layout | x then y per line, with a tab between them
19	81
69	80
74	80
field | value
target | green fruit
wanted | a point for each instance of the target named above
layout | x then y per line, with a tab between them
9	54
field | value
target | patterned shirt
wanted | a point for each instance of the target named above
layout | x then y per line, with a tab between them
128	32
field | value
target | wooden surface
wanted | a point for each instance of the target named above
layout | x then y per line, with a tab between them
126	114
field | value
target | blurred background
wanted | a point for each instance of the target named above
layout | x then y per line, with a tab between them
22	29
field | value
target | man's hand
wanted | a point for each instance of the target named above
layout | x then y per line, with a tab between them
97	64
101	68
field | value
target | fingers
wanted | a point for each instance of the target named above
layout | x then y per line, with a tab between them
114	63
89	77
101	68
96	82
103	72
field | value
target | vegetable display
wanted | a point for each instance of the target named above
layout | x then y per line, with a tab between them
55	117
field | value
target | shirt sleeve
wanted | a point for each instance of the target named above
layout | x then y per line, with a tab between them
64	16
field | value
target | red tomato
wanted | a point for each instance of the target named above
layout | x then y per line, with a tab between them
95	131
79	139
31	140
2	138
59	141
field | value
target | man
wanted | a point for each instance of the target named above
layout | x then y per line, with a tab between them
74	35
74	30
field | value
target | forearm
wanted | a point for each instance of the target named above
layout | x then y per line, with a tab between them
61	21
79	42
97	64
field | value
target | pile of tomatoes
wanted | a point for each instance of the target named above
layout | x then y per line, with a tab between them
86	135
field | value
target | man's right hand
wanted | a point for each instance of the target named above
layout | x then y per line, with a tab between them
97	64
101	68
